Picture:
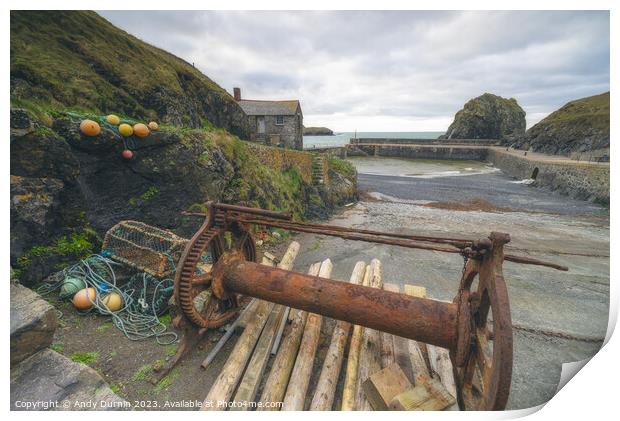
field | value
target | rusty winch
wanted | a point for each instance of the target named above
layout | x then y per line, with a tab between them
475	327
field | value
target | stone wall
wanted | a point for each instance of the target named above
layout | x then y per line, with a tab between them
476	153
579	180
440	142
281	159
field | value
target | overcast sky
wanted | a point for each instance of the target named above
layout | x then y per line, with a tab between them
389	71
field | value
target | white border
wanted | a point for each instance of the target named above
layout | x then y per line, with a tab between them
593	391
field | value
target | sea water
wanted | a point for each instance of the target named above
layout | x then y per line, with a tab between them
341	139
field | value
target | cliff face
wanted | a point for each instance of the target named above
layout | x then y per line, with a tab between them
579	126
68	189
487	117
78	60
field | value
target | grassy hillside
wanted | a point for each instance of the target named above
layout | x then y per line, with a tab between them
579	126
78	60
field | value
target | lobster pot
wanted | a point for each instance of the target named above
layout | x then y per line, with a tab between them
144	247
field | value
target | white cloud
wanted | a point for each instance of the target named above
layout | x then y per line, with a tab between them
389	71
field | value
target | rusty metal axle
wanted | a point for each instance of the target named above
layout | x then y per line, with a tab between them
421	319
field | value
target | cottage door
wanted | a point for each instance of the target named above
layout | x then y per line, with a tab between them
260	121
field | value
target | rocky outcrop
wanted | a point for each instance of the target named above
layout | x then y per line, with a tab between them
53	382
77	59
317	131
33	322
488	117
579	126
42	379
67	189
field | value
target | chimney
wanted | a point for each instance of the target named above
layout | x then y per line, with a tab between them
237	94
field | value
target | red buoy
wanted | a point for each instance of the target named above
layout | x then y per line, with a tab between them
127	154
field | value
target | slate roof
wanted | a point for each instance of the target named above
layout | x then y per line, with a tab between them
257	107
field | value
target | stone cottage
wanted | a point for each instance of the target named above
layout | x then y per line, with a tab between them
277	123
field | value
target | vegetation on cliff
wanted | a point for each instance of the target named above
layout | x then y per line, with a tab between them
487	117
579	126
78	60
68	189
317	131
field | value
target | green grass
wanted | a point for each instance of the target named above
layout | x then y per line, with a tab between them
166	319
150	193
78	60
142	373
116	388
343	167
314	246
85	357
104	327
171	350
165	382
58	347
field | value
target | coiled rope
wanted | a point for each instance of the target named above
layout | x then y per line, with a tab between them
138	319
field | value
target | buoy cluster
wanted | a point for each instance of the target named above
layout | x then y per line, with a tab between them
84	297
140	130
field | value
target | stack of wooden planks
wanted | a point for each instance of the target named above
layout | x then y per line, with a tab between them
276	356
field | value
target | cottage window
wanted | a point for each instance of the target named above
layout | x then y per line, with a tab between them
279	120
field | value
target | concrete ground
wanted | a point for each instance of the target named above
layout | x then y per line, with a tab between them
566	311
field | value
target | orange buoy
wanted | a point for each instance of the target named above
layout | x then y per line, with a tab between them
113	119
153	126
125	130
84	298
90	127
141	130
113	301
127	154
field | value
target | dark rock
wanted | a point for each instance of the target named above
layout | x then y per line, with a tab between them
48	377
43	155
20	119
33	322
581	127
35	205
487	117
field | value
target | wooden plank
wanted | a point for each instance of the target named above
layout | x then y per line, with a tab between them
401	345
417	350
349	393
246	392
275	386
388	352
429	395
325	390
246	315
438	358
441	367
370	351
295	396
381	387
226	382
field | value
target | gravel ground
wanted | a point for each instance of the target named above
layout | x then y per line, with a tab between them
573	233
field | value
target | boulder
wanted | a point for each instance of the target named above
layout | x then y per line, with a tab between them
33	322
488	117
580	126
57	383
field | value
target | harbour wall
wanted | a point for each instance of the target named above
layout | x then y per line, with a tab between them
579	180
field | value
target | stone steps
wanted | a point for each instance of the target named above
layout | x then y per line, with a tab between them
42	377
318	170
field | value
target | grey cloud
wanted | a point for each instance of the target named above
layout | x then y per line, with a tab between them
409	66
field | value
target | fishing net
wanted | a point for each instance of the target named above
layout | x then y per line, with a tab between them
144	247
